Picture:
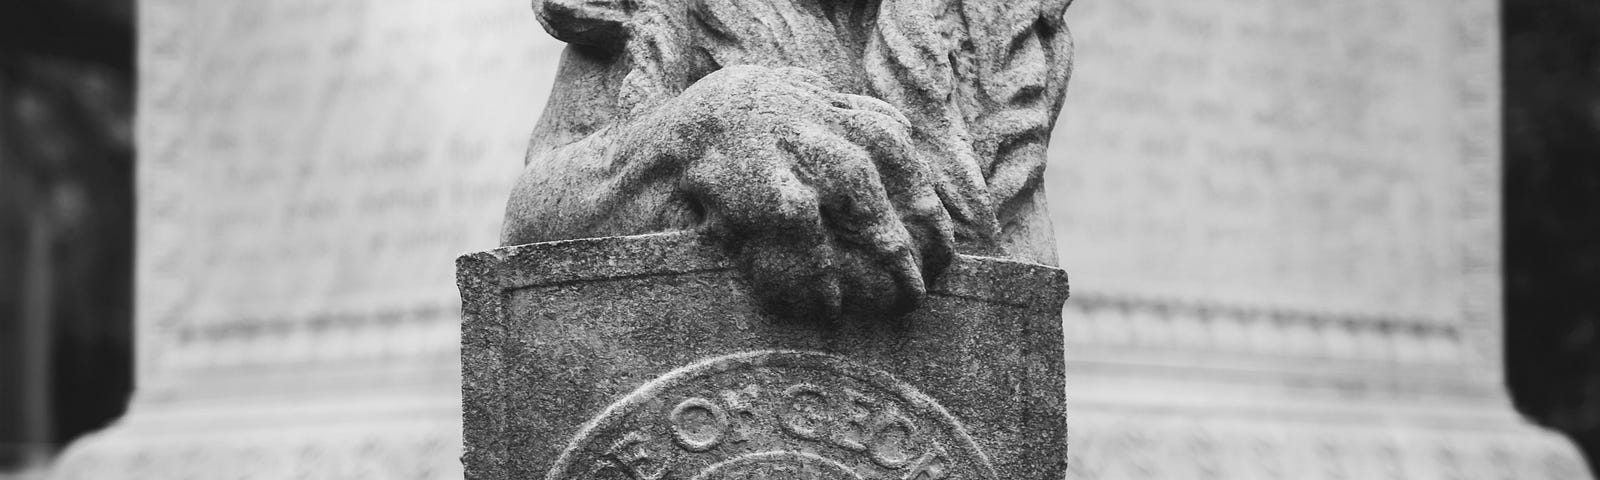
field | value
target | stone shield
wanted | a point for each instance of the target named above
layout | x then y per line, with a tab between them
633	357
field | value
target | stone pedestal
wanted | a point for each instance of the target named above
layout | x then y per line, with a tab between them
1283	224
629	357
307	172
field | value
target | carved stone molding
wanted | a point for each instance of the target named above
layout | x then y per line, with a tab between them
391	451
1111	321
326	338
1126	445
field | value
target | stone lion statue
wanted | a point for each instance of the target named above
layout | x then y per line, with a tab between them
841	151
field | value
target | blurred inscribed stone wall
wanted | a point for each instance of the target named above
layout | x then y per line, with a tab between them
1281	219
1282	224
1300	156
308	172
312	167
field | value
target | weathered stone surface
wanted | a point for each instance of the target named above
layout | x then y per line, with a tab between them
840	152
832	159
629	356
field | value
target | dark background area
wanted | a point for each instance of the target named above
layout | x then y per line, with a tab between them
66	221
67	229
1552	214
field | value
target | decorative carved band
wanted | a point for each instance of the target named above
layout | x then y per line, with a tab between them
426	330
1109	445
1158	323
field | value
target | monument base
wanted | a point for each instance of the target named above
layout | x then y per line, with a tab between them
1147	413
320	420
646	357
1186	443
400	433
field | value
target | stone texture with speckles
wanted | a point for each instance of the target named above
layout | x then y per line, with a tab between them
637	356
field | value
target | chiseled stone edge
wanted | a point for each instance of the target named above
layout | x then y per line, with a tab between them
482	305
1475	63
551	263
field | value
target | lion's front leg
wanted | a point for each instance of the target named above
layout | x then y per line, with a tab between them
818	195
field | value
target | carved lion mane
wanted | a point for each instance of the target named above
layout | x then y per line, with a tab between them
991	72
948	103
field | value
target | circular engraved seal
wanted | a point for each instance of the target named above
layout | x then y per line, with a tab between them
773	414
